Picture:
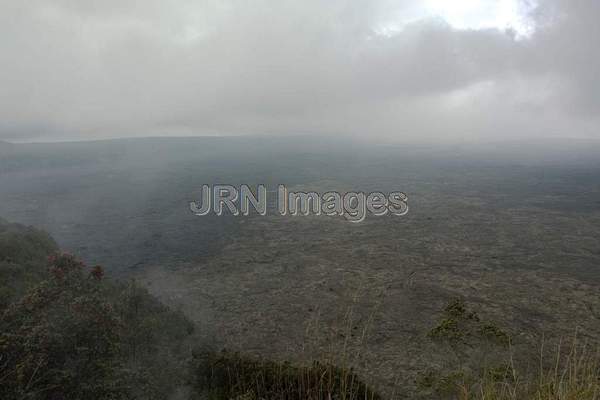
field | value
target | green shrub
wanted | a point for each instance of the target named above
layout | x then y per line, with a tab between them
227	375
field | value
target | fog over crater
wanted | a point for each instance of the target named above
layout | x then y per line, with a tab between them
395	71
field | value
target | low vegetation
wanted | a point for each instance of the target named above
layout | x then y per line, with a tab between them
226	375
66	332
462	326
23	254
573	374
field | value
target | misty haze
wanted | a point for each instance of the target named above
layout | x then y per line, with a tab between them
114	114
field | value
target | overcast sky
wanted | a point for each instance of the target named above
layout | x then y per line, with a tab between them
438	70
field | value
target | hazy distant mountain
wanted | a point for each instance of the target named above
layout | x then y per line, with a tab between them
5	146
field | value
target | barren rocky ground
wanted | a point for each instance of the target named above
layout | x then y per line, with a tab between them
284	285
518	242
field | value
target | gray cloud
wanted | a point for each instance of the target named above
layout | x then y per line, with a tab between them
76	69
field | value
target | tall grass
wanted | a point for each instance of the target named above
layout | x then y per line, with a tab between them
571	374
230	375
335	345
559	372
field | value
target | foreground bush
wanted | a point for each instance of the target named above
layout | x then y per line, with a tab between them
228	375
61	339
75	335
23	254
